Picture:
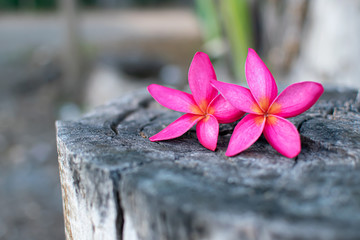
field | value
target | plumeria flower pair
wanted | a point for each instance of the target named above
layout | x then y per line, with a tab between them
266	109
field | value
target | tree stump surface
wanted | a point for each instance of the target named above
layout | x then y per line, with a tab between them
116	184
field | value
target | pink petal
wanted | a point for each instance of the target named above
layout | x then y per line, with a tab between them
238	96
260	80
246	132
282	136
177	128
201	72
223	110
296	99
174	99
207	131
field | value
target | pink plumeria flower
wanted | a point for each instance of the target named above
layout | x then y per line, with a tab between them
267	110
205	107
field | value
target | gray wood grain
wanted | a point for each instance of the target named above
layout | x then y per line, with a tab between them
116	184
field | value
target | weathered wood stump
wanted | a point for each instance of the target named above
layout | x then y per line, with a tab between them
116	184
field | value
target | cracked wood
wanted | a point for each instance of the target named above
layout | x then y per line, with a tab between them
117	184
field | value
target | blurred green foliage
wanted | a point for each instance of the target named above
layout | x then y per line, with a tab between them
237	25
206	10
230	22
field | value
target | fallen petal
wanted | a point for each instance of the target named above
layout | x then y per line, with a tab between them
174	99
177	128
238	96
223	110
260	80
282	136
246	132
201	72
296	99
207	131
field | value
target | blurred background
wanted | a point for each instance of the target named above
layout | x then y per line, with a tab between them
61	58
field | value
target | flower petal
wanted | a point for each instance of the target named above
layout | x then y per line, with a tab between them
282	136
223	110
207	131
201	72
238	96
246	132
296	99
177	128
174	99
260	80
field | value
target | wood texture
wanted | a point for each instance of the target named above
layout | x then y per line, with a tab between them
116	184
